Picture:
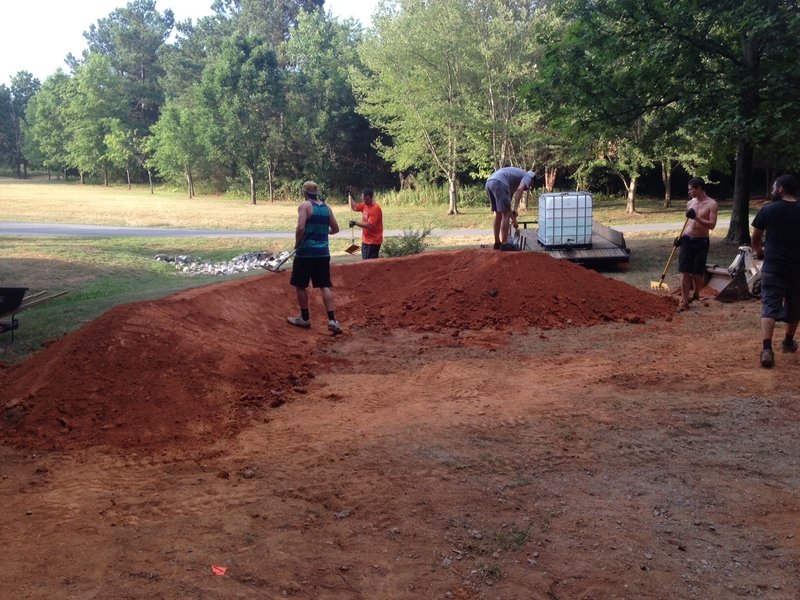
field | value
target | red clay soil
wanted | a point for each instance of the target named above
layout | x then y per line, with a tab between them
182	370
489	426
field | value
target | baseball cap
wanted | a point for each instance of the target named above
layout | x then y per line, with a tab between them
310	188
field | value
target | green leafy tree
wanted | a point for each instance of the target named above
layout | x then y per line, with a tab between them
417	86
602	90
46	123
242	100
727	69
23	87
329	140
183	61
272	20
122	146
502	127
130	38
176	147
95	102
6	126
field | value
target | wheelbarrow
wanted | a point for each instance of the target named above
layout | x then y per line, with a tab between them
13	300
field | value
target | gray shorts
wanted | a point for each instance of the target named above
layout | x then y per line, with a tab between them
499	195
780	297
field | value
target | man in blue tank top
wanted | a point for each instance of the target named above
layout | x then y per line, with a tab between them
312	259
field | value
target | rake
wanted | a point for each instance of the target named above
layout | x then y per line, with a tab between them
660	285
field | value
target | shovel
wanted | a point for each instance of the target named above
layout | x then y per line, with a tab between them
353	247
275	263
660	285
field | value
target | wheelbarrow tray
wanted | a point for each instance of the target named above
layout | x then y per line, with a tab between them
11	299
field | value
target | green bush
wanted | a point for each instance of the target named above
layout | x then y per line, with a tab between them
410	242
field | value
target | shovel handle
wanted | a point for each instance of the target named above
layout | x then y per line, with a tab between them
674	248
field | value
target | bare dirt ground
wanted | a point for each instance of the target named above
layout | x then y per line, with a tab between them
490	425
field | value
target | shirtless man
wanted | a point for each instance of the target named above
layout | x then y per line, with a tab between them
701	211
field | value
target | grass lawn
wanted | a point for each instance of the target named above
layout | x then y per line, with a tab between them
40	200
99	273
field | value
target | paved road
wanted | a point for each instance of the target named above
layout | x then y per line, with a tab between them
42	229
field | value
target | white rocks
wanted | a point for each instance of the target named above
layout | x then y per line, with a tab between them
197	266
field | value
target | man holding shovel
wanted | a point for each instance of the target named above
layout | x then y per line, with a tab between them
312	261
371	224
701	218
501	186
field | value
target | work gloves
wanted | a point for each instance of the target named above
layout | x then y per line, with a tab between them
677	242
691	213
351	224
349	190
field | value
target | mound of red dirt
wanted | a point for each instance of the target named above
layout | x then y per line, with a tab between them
195	367
471	289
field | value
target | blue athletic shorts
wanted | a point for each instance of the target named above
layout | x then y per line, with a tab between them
499	195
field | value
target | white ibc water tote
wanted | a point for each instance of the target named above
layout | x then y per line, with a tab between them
565	220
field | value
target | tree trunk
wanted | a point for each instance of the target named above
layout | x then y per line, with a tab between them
128	175
189	184
150	180
666	177
550	176
451	194
24	169
630	207
105	176
739	229
270	180
83	178
749	100
253	190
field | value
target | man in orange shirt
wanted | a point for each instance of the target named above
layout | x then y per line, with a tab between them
371	223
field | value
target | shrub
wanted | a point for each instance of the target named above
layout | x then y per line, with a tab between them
410	242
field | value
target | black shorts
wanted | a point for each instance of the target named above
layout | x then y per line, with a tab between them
370	251
317	270
693	254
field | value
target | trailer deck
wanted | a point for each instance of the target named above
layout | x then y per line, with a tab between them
608	249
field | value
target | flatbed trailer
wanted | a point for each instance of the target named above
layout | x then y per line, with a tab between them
607	251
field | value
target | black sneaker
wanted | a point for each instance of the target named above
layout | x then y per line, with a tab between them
767	358
496	246
508	248
789	346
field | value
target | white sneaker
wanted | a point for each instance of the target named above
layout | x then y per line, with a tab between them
299	322
334	326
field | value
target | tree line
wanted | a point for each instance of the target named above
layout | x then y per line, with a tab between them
271	92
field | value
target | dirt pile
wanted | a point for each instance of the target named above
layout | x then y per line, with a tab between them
200	365
470	289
